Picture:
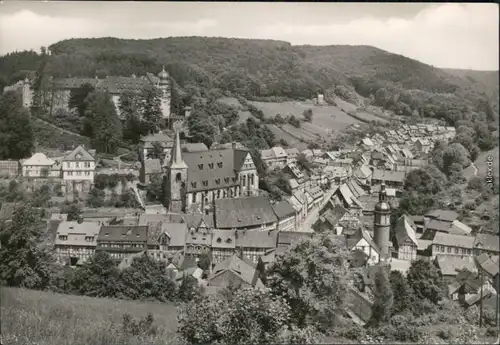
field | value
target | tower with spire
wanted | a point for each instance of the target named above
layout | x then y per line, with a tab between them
382	224
165	89
176	178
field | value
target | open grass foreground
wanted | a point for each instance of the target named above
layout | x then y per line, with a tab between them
44	318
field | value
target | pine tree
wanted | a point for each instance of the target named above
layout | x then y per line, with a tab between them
129	108
152	115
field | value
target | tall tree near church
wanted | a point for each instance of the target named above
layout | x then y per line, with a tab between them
129	109
382	305
152	115
102	123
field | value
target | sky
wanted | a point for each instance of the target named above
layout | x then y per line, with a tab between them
447	35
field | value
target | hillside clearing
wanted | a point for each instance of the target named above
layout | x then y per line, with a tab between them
51	137
44	318
243	115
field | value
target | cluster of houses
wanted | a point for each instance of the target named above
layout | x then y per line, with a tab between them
75	170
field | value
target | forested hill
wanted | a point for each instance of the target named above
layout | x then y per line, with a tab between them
266	68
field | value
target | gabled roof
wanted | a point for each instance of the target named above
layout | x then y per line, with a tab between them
256	239
453	240
77	233
334	215
283	210
405	229
194	147
293	151
361	234
459	228
241	267
443	215
176	232
450	265
213	169
38	159
223	239
288	238
118	233
243	212
438	225
363	171
79	154
487	242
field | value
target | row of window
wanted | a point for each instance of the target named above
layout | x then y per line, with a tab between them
210	165
121	245
79	165
78	173
462	251
221	193
87	238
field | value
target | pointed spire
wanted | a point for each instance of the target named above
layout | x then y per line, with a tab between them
176	160
382	196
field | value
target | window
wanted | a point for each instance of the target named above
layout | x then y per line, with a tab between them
229	240
456	250
63	237
205	183
469	251
219	165
219	240
464	251
442	249
218	193
87	164
78	173
70	173
77	165
211	165
178	177
200	166
87	173
226	179
449	249
194	197
217	181
193	184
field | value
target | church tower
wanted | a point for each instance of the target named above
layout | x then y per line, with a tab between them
176	178
382	224
165	89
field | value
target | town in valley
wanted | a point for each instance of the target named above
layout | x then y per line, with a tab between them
334	210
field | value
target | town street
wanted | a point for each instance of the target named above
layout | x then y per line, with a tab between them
312	216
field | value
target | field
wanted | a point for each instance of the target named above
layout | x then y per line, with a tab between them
42	318
327	121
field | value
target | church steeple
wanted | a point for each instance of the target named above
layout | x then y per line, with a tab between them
176	161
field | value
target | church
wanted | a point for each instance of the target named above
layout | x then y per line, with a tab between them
194	180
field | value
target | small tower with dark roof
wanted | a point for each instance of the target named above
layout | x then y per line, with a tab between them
382	224
176	178
165	88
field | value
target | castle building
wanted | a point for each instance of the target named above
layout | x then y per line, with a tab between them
60	89
196	179
382	225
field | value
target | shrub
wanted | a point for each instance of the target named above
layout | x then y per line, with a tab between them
446	334
354	333
491	332
144	326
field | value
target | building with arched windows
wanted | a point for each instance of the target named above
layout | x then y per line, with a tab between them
196	179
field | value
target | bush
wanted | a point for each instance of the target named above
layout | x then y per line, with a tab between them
141	327
354	333
491	332
446	334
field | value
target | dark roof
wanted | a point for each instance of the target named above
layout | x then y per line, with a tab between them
334	215
488	242
288	238
176	232
218	168
223	239
360	234
197	219
283	210
405	228
118	233
243	212
73	83
256	239
453	240
116	85
443	215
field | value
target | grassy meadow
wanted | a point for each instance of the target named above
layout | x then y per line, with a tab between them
44	318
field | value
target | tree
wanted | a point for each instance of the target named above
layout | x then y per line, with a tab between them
97	277
40	88
383	297
454	153
157	151
252	317
129	108
152	115
73	211
424	280
155	188
314	279
96	198
188	289
16	133
401	293
102	123
26	262
77	98
41	196
294	121
204	261
308	115
146	279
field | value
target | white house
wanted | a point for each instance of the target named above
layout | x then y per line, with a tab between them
76	241
363	242
78	170
38	165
